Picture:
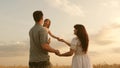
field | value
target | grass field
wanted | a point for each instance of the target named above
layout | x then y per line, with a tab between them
94	66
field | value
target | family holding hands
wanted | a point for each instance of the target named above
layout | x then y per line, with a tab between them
40	45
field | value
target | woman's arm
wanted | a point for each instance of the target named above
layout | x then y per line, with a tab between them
70	53
65	42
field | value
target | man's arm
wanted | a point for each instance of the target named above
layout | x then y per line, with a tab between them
47	47
44	42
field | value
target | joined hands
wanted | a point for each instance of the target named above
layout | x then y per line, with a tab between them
59	39
57	52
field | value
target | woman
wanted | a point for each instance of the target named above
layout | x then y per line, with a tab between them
79	47
46	25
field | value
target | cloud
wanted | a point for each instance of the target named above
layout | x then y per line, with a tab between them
94	53
67	7
21	48
13	49
116	20
107	35
111	4
116	50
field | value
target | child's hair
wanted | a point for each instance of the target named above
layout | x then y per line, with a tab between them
45	21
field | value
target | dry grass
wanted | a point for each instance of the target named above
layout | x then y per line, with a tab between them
13	66
106	66
94	66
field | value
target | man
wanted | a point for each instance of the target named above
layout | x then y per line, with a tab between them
39	45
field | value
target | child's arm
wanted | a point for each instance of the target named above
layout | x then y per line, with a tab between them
49	40
58	38
52	35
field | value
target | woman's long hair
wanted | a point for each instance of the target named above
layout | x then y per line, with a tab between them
82	36
45	22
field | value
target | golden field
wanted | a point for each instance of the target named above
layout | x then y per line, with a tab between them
94	66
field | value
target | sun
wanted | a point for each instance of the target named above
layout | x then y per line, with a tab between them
117	20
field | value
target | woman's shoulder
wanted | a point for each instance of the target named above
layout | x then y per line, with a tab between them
76	40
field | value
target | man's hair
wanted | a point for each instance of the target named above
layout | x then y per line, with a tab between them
37	15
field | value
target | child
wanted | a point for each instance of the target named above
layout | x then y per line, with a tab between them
46	25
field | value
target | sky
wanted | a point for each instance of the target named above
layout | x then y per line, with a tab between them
100	17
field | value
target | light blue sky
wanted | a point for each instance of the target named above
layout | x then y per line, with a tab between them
100	17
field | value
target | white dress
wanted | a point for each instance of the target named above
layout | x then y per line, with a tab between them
80	59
